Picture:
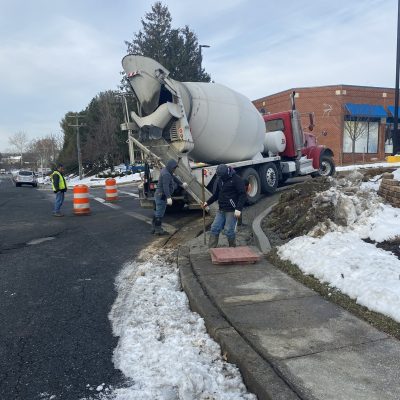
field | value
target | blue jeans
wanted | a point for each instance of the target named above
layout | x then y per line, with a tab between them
224	220
161	205
59	201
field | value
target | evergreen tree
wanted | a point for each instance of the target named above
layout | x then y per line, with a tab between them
103	144
176	49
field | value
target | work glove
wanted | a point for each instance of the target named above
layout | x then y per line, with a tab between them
184	185
238	213
169	201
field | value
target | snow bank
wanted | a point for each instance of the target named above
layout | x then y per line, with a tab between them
163	346
336	254
358	269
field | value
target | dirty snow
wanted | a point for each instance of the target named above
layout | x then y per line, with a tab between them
163	347
337	255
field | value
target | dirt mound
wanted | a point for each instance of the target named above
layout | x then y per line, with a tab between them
294	215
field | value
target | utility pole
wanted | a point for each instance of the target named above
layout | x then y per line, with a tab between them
128	125
77	125
395	138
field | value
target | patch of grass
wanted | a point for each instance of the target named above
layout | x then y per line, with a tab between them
379	321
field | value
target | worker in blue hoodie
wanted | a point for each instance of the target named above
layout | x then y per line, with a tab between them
230	191
167	183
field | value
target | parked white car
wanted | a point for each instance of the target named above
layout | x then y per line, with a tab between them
25	178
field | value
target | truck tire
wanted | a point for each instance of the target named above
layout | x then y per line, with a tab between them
269	178
326	167
254	191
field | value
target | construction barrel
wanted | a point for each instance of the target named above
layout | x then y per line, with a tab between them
81	200
111	189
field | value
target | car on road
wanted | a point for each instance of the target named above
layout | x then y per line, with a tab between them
26	178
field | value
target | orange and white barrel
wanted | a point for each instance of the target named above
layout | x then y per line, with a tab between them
81	200
111	189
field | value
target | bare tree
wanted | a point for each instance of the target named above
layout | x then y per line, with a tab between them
46	149
19	141
355	129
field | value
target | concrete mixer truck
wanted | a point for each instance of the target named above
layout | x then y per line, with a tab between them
201	125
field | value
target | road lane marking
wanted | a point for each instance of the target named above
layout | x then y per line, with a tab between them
102	201
129	193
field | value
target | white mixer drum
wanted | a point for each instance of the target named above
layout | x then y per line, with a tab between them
225	125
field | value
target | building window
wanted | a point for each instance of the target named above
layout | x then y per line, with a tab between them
360	135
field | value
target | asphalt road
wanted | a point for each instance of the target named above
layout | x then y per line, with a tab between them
57	288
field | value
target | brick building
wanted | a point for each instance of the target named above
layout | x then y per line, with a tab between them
354	121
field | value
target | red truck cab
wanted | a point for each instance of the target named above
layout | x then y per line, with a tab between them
299	143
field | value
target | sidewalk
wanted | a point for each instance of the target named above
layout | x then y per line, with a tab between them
288	342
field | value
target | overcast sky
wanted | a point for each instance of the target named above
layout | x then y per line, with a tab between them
56	55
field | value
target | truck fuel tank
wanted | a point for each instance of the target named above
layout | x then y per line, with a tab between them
274	142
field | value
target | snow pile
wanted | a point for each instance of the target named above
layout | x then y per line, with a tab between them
335	253
93	181
163	346
353	205
358	269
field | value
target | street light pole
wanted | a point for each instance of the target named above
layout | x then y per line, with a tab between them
395	138
201	57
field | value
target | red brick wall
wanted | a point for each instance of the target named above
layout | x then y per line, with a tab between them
329	113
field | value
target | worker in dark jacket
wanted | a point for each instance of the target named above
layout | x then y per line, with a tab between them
59	188
230	191
167	183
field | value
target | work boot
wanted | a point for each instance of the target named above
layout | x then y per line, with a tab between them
153	225
213	241
232	242
158	230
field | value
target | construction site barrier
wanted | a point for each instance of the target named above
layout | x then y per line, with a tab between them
111	189
81	200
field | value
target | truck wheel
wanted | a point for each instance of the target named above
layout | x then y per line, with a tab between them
254	189
326	166
269	177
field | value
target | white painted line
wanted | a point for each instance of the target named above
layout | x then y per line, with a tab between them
139	216
169	228
129	193
111	205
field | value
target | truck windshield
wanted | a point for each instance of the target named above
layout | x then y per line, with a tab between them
274	125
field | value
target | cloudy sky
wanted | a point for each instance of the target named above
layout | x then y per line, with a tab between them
56	55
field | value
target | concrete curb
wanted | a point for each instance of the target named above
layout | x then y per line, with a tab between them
261	240
259	377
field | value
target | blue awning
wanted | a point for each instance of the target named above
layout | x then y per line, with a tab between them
366	110
391	110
